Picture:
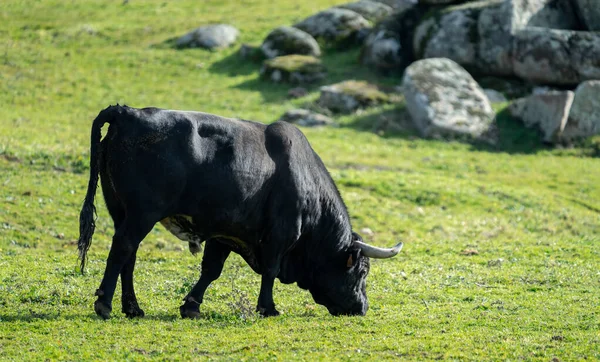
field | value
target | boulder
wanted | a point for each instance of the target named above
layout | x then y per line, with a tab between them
589	12
479	34
287	40
584	117
338	26
306	118
209	37
350	95
389	44
370	10
251	52
438	2
397	4
552	56
494	96
548	112
554	14
457	32
293	69
297	92
494	47
444	100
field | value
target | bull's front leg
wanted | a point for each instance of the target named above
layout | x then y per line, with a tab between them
271	263
213	260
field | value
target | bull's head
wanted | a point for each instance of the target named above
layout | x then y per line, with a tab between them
341	285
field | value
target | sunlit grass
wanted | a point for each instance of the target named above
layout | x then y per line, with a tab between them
501	242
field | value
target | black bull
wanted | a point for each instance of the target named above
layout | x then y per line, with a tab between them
257	190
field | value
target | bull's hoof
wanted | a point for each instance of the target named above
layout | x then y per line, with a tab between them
132	310
267	312
189	311
102	310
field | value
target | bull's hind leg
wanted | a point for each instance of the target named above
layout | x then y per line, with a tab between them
122	252
128	299
129	304
215	254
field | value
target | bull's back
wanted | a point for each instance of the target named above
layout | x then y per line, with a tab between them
197	164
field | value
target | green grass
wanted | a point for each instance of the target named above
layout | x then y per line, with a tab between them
531	292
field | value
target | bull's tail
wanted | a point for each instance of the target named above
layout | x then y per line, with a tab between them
87	222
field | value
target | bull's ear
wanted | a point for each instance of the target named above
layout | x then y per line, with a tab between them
352	258
356	237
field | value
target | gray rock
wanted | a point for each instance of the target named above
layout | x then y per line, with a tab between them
464	32
584	117
554	14
548	112
589	11
552	56
382	49
370	10
494	29
444	100
350	95
398	4
306	118
293	69
494	96
297	92
335	25
479	34
438	2
209	37
389	44
251	52
287	40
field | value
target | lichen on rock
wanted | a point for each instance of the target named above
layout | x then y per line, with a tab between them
350	95
293	69
286	40
444	100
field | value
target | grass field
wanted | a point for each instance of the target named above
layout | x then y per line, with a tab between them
501	258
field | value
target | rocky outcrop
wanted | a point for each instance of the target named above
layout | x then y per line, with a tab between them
548	112
389	44
293	69
562	116
209	37
397	4
350	95
479	34
306	118
476	35
287	40
556	56
438	2
494	96
584	117
370	10
337	26
589	11
444	100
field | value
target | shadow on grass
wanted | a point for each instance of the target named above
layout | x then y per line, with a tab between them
234	64
512	137
341	65
509	134
160	316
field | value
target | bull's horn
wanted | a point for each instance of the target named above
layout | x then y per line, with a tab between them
378	253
